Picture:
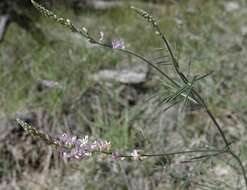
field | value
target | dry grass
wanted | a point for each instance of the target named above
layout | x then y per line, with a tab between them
212	39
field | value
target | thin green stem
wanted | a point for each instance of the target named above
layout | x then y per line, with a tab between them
227	144
202	102
183	152
141	58
215	151
174	60
240	163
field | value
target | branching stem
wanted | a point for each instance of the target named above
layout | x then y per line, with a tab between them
195	95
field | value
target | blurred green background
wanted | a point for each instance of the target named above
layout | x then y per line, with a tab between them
48	78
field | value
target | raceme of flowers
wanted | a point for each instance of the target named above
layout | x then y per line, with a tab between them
73	147
80	148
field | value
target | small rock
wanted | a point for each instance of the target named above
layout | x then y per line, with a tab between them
97	4
232	6
103	5
179	21
50	84
135	75
3	24
244	30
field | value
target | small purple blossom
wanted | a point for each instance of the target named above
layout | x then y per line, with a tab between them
76	148
135	155
116	156
118	44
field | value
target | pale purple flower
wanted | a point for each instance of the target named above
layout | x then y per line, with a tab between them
116	156
73	147
67	140
135	155
118	44
100	145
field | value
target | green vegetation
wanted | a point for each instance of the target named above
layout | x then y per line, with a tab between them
202	32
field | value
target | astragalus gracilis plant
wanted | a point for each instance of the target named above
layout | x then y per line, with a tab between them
182	91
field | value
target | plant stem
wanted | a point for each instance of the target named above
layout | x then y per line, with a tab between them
227	144
215	151
240	163
202	102
198	97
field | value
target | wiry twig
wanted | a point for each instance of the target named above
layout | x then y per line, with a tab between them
68	142
195	94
